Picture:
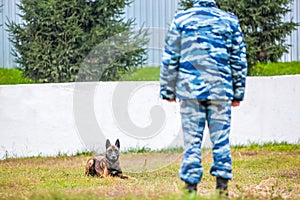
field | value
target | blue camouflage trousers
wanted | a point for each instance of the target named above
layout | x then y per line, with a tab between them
194	114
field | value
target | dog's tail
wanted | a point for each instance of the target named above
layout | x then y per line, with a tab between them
88	165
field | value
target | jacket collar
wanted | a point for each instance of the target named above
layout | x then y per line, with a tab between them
205	3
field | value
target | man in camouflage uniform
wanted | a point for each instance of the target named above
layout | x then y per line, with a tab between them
204	66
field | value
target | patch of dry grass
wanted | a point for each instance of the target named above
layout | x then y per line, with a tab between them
258	174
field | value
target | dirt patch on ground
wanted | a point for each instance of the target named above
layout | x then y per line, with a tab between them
273	188
292	174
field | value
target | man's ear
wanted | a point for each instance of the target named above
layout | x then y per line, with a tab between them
107	144
117	143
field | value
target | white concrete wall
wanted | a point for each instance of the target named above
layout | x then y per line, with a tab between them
47	119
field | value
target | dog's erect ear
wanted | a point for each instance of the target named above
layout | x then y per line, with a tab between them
117	143
107	144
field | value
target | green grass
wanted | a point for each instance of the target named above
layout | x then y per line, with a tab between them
12	76
271	69
269	171
275	69
270	146
144	74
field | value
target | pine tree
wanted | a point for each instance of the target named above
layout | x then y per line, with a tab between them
83	40
263	26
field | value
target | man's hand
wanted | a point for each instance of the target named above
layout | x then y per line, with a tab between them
235	103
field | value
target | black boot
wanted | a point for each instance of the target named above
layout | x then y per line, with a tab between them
191	187
222	186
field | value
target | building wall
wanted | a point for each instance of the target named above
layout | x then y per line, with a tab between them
154	15
294	39
9	13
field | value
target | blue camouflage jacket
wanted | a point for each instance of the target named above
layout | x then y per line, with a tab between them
204	55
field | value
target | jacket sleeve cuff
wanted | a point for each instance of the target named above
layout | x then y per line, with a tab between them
236	99
167	94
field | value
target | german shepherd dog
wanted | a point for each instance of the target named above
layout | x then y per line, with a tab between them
107	166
